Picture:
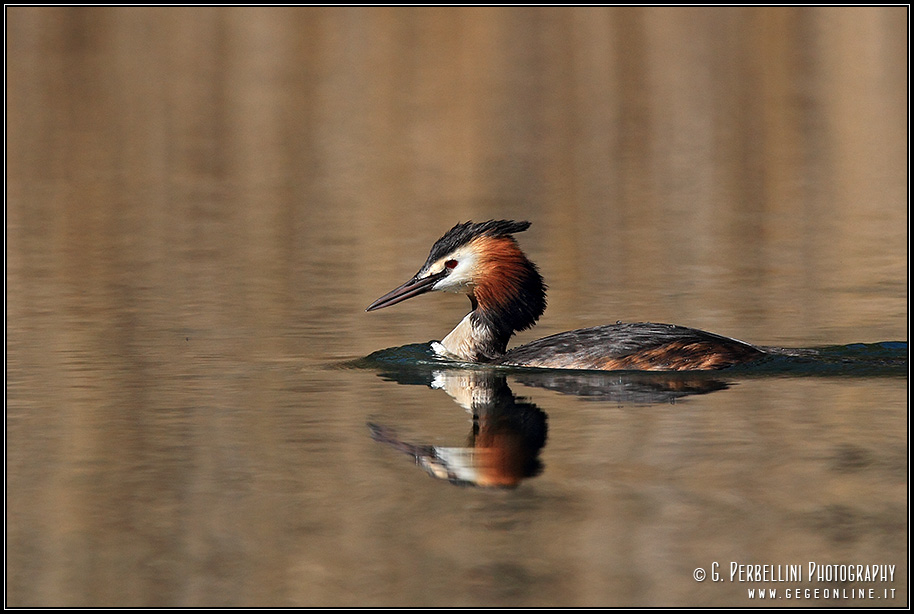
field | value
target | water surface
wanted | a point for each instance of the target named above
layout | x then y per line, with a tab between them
202	202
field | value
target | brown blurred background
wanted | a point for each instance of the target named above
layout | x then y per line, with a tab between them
202	201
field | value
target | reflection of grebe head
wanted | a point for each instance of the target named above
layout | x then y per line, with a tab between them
504	445
483	261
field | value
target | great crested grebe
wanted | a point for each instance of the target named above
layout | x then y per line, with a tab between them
507	294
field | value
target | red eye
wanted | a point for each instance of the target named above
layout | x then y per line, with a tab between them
450	264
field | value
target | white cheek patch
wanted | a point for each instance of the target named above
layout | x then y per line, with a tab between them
461	276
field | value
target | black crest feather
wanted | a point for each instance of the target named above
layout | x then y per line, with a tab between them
461	234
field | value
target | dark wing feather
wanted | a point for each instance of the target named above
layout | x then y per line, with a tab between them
635	346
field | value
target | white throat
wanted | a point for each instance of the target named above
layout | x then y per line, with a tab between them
461	343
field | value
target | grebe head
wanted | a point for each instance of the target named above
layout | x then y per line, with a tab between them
483	261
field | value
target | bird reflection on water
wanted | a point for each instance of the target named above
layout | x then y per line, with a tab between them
632	363
508	432
505	441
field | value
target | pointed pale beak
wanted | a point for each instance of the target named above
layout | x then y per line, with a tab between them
414	287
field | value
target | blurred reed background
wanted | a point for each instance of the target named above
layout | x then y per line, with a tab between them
202	201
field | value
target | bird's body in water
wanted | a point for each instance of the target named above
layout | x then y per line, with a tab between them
507	294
